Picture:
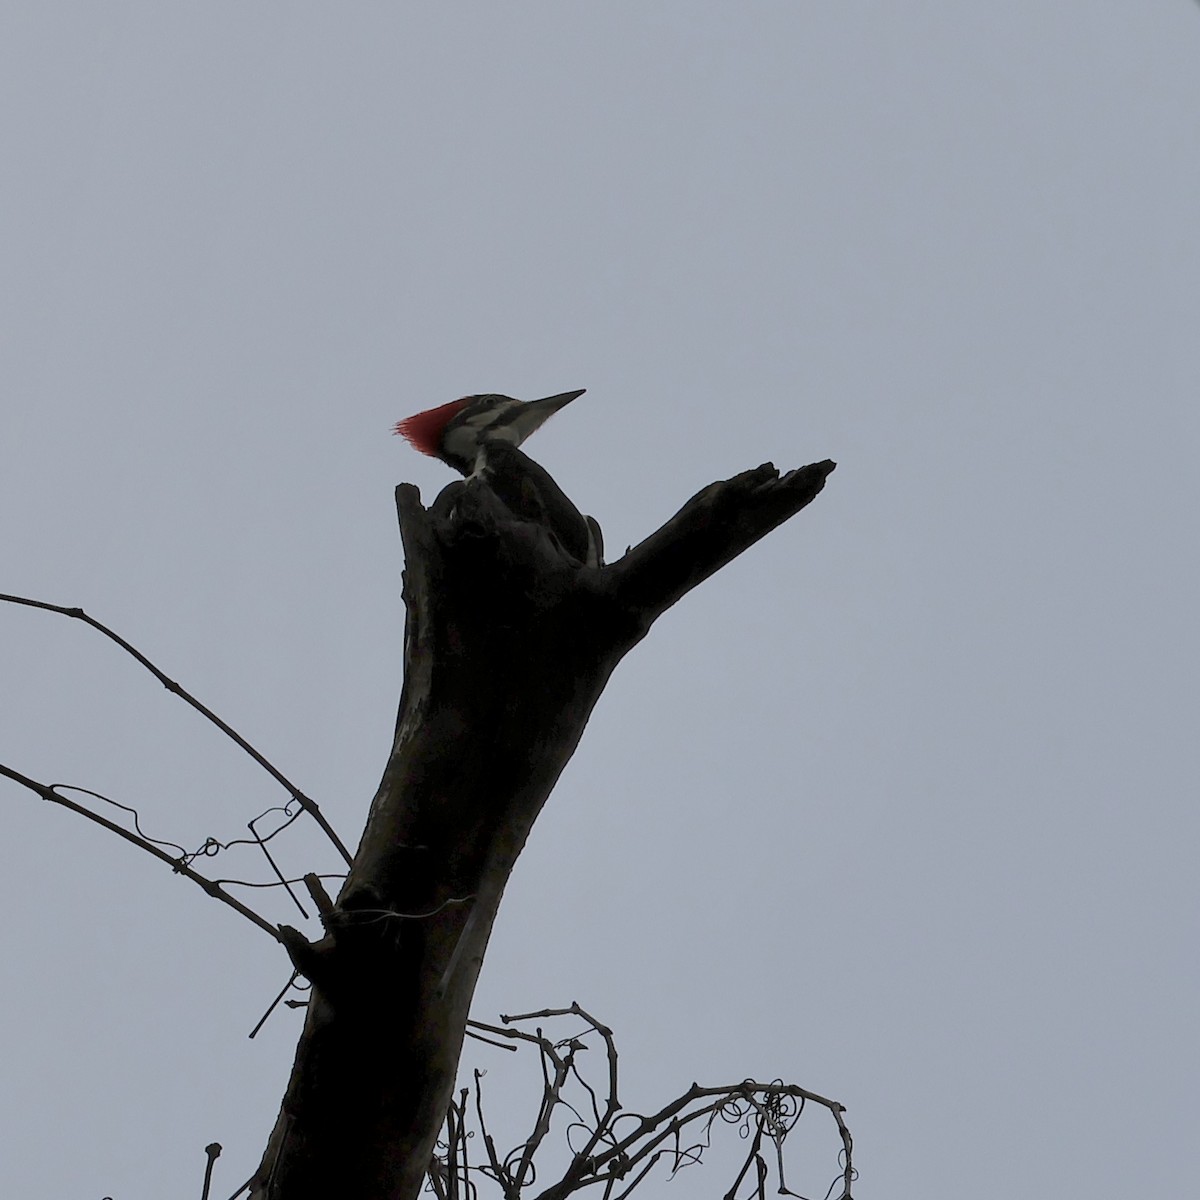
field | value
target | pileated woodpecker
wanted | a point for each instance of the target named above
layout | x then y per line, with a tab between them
478	436
459	432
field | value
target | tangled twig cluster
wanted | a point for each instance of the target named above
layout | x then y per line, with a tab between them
611	1149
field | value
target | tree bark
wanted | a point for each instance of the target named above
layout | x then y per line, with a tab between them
509	642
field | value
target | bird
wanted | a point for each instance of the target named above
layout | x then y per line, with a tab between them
478	436
459	432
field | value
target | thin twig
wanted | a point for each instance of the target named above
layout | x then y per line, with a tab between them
320	897
454	1135
616	1164
750	1157
215	890
262	845
212	846
551	1097
309	805
603	1124
468	1186
270	883
488	1041
244	1188
134	815
213	1150
272	1006
488	1141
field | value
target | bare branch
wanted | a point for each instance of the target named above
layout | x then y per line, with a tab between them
213	1152
488	1041
320	897
261	842
287	987
617	1163
489	1142
551	1098
711	529
47	792
456	1140
307	803
751	1157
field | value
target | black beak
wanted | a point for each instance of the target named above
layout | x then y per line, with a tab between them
551	404
534	413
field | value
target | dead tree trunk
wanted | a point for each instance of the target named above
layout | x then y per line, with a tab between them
509	643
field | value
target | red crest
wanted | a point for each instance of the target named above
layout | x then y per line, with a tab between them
423	431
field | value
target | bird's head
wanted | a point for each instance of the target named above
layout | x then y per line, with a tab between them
456	432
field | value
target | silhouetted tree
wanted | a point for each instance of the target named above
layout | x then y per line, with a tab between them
509	642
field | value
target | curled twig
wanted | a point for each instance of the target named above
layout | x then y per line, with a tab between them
48	792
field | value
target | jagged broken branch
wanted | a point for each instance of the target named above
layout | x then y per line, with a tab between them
710	530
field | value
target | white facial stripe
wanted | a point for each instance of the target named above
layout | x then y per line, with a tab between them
489	416
464	437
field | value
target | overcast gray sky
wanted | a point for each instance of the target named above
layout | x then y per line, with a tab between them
901	806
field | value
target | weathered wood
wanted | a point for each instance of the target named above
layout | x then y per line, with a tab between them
509	642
